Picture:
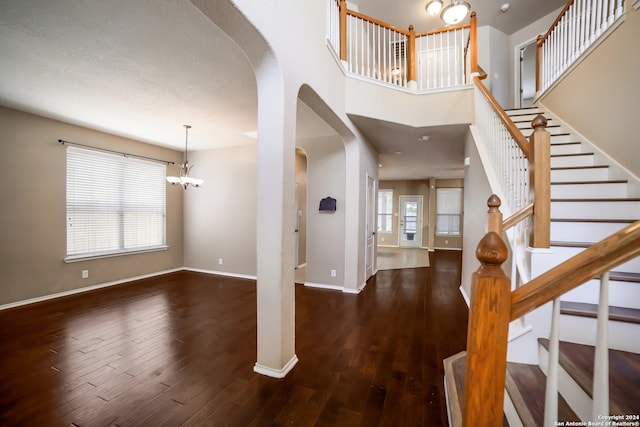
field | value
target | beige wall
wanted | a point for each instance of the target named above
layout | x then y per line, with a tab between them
220	217
600	98
476	193
32	173
325	245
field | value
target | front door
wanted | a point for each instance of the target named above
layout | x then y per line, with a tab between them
411	221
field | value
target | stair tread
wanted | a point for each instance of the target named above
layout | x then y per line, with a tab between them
526	387
615	199
537	110
454	368
579	167
624	374
624	276
526	121
531	127
595	220
610	181
620	314
571	244
564	144
573	154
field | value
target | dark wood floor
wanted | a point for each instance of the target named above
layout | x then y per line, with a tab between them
180	349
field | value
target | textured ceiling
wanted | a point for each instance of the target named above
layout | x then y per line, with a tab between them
142	69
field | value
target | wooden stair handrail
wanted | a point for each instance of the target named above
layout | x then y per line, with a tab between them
514	219
566	7
520	139
592	262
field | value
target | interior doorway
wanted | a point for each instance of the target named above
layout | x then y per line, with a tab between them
301	216
527	74
410	222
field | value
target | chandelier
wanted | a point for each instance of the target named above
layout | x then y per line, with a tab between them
455	12
184	179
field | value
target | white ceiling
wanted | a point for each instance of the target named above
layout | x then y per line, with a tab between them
142	69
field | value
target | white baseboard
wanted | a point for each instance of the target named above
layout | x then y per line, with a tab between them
276	373
84	289
221	273
336	287
465	296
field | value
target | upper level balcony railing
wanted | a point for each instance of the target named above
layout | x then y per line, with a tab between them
577	28
423	61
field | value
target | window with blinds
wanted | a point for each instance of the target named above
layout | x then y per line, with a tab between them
448	211
115	204
385	211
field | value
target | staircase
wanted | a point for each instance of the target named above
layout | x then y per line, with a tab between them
590	200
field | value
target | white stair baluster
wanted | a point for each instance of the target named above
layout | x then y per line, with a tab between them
551	392
601	362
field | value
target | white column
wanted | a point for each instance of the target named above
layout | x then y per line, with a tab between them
275	240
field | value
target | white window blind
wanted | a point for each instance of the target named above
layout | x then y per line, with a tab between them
448	211
115	204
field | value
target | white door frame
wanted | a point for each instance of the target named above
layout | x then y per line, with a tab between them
517	70
370	227
413	240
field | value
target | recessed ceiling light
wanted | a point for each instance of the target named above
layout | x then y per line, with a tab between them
505	7
424	138
398	152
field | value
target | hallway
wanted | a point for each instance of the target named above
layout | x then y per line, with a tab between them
180	348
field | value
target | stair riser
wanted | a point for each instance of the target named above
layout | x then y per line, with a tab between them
572	161
557	135
590	174
582	330
580	402
566	149
563	253
621	294
580	191
596	209
583	231
526	115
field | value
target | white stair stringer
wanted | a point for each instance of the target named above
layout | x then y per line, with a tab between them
576	397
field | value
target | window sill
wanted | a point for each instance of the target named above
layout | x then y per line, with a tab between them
78	258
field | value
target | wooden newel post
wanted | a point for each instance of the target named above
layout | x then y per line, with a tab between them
539	42
540	183
487	335
411	55
494	216
473	42
343	30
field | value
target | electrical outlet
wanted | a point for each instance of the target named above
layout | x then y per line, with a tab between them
219	261
333	273
85	274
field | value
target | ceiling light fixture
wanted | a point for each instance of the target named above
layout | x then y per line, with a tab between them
434	7
455	12
505	7
184	179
